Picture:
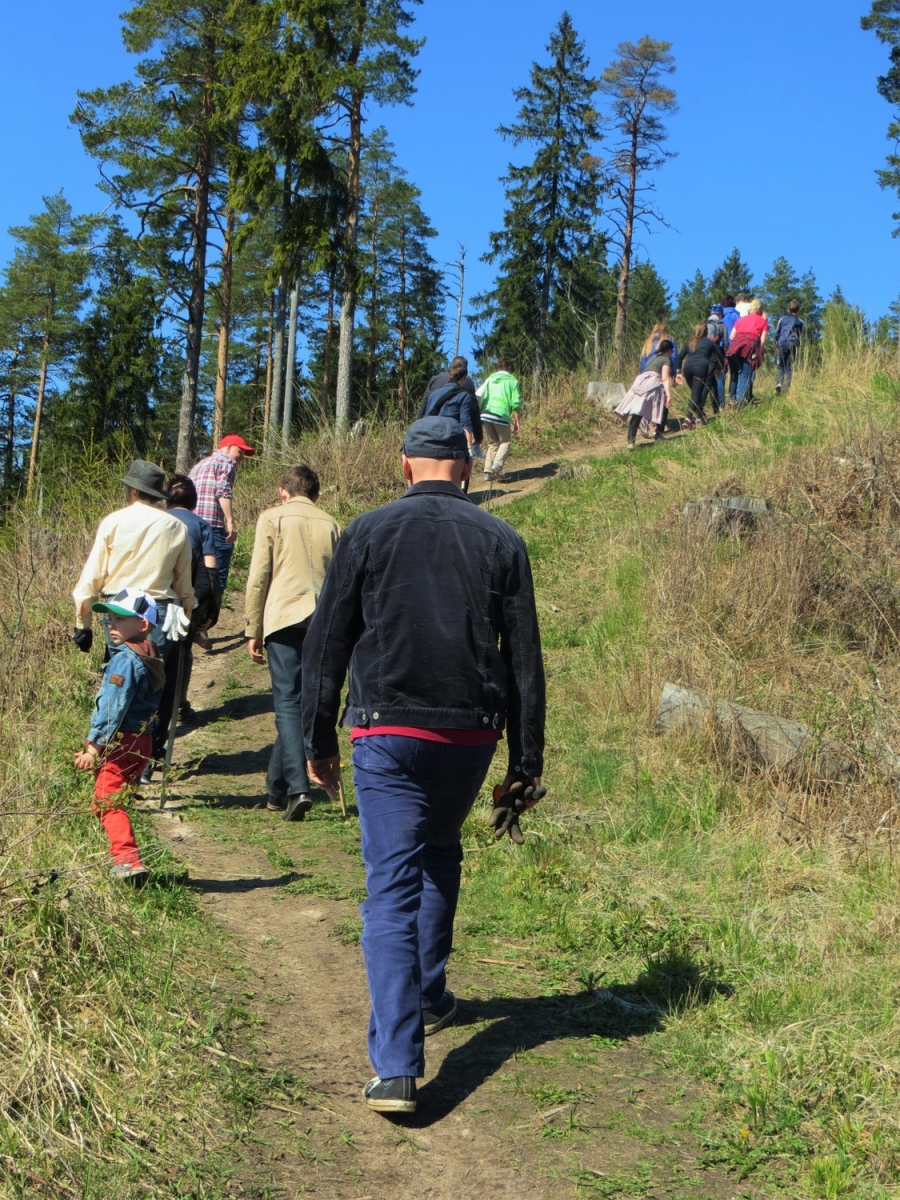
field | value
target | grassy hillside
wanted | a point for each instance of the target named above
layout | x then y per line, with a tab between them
759	912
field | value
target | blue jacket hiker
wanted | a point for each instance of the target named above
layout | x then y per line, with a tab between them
788	333
129	694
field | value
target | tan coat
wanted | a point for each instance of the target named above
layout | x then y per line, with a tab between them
140	546
294	544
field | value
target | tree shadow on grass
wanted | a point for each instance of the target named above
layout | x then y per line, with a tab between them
669	984
234	886
236	708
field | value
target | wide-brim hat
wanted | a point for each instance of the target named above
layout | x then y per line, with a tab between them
146	477
129	603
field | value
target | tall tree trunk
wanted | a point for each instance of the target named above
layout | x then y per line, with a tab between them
199	233
39	407
9	450
459	299
401	332
288	418
329	345
224	330
550	255
627	240
343	399
278	361
373	311
267	403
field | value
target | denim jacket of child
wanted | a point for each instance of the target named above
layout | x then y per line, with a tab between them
129	695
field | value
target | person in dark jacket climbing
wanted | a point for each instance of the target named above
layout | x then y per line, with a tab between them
698	364
452	394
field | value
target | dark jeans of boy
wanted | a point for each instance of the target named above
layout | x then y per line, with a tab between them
286	775
784	359
413	797
224	550
743	375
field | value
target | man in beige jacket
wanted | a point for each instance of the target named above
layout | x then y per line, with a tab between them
294	544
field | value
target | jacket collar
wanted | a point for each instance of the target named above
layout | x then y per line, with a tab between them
436	487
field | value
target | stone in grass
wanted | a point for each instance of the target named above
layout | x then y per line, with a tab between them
605	393
728	514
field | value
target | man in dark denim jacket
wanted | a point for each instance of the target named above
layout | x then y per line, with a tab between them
429	603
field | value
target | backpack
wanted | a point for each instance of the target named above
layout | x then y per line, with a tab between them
789	332
715	330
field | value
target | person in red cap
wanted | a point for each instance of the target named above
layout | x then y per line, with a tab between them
213	478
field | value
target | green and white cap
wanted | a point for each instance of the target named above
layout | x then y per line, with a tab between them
129	603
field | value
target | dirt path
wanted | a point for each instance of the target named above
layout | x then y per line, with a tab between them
532	1094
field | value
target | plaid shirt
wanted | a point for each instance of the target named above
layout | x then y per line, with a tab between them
213	478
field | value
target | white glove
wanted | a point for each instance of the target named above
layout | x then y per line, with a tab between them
176	624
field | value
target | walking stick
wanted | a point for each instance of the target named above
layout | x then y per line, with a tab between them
343	802
183	648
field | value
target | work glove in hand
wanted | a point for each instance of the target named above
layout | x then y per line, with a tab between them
509	806
176	624
83	639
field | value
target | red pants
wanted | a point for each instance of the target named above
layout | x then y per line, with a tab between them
121	765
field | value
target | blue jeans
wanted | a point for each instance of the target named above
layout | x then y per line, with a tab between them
413	797
785	360
286	775
224	551
744	382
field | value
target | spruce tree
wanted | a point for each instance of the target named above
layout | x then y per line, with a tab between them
730	278
44	288
635	81
691	305
884	21
549	252
783	284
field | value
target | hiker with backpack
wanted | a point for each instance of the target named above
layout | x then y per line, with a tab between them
452	394
648	397
717	331
698	364
745	352
788	333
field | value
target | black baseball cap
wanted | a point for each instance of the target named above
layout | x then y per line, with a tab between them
435	437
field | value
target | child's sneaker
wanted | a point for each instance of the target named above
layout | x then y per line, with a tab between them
133	873
391	1095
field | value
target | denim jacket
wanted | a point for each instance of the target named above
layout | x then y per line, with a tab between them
129	695
429	601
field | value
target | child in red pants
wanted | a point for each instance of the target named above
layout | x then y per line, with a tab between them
119	741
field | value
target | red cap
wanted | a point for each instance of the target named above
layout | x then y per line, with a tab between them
234	439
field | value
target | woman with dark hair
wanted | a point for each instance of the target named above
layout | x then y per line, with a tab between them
648	397
181	502
698	364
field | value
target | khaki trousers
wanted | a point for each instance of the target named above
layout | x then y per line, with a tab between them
496	439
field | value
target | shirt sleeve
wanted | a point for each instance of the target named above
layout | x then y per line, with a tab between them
181	575
515	400
225	473
90	584
520	646
207	541
259	578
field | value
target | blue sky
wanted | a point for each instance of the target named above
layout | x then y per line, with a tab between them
778	134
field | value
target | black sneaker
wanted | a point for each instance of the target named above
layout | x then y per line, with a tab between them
391	1095
147	773
777	389
297	807
275	803
442	1013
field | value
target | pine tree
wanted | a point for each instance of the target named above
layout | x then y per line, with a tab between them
845	331
691	306
549	243
400	282
884	21
119	364
44	287
164	139
635	81
731	278
376	66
